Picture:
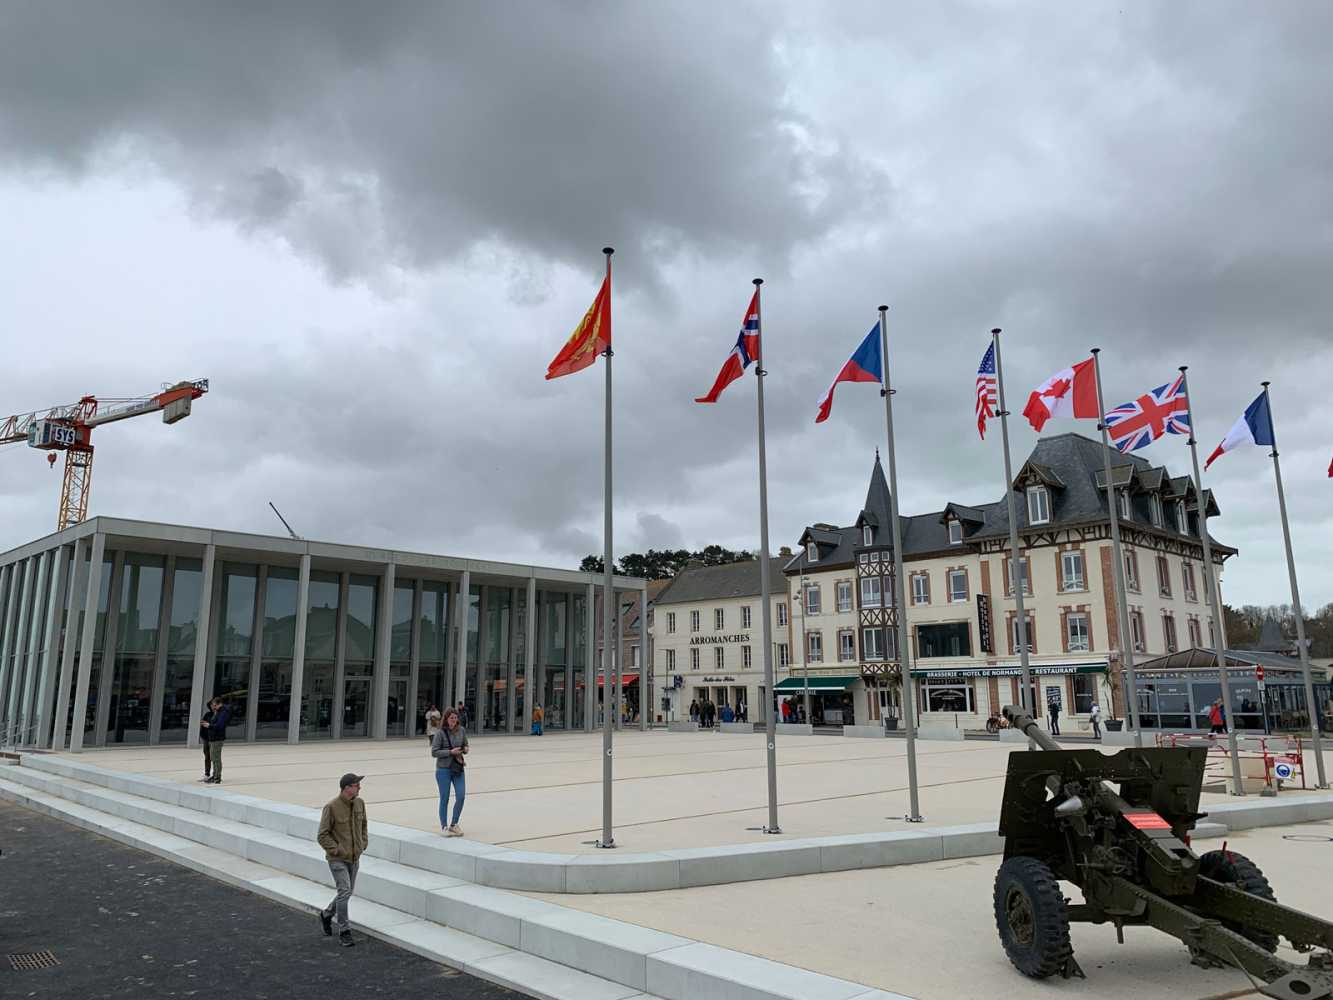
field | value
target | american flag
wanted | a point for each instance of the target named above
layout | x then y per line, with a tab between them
986	390
1164	410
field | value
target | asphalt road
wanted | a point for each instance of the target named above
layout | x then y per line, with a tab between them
122	923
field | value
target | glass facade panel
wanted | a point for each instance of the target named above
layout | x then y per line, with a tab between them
356	704
317	700
321	626
235	644
522	723
362	595
495	668
140	603
131	698
554	640
434	646
231	683
94	682
400	639
473	642
274	705
176	714
281	594
186	587
578	631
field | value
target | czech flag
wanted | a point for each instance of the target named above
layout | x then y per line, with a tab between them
1254	427
745	351
866	365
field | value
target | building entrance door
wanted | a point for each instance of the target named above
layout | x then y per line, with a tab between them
356	702
397	708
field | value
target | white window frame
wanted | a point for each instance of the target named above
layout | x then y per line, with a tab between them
1155	506
1182	518
1027	575
670	661
694	657
747	656
1131	570
1122	498
1039	505
872	642
782	614
867	535
1136	631
1188	581
719	657
812	589
746	616
695	619
719	619
955	532
814	647
671	623
1072	581
872	591
1032	628
954	597
1196	633
1163	576
920	588
846	645
811	552
1081	643
844	587
784	655
1169	634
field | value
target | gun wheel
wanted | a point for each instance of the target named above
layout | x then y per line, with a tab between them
1032	918
1231	868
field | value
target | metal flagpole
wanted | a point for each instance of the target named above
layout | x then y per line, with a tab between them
1215	599
1122	607
1310	702
899	595
608	599
1015	555
770	724
805	651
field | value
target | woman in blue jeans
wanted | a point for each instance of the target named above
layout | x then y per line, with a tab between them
449	748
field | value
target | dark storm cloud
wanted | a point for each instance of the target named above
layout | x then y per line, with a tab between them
552	126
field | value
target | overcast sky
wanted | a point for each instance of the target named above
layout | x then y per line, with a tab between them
371	226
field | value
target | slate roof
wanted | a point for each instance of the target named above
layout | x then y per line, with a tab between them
711	583
1071	466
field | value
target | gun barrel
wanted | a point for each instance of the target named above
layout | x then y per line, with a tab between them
1019	719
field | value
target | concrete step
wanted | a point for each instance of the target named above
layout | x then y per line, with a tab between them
600	956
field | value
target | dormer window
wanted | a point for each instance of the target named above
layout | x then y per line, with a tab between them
1155	505
811	552
867	536
1122	497
1182	519
955	533
1039	505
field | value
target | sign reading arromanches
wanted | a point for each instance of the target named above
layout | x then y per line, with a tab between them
706	640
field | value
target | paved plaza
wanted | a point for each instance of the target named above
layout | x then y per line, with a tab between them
672	790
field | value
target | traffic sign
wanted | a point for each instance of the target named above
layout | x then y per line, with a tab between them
1283	770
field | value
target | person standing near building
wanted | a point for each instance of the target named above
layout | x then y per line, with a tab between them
694	712
344	834
1217	718
1095	717
217	736
203	742
449	748
433	719
462	714
1053	713
537	716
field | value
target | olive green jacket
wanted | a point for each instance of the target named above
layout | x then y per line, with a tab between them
343	830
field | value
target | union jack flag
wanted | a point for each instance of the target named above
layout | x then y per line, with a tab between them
986	390
1165	410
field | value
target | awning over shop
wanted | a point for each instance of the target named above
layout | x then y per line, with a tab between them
625	680
793	684
1014	670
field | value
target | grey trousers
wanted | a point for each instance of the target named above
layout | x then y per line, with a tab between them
344	877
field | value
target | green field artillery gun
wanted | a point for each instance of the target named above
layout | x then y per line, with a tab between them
1128	850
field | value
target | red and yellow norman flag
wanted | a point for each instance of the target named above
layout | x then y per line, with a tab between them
590	338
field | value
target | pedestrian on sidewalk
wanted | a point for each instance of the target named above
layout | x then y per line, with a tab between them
217	736
537	716
1095	717
203	742
1053	716
344	834
433	719
462	713
1217	718
694	712
449	748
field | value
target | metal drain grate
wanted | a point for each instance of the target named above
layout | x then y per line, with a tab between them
28	960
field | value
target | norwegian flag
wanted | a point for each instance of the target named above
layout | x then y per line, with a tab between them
1165	410
741	356
986	390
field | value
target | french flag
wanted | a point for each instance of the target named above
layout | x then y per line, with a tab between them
745	351
1254	427
865	365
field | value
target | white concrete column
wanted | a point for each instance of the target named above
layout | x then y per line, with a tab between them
460	664
414	659
78	587
23	708
590	669
379	678
51	634
197	692
160	651
8	630
86	642
647	694
512	667
13	662
110	640
529	656
256	655
298	650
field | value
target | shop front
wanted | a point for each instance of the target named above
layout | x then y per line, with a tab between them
831	699
970	695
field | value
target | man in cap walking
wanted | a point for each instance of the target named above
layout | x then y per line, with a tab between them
343	833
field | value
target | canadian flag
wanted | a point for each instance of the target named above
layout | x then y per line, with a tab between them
1071	392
